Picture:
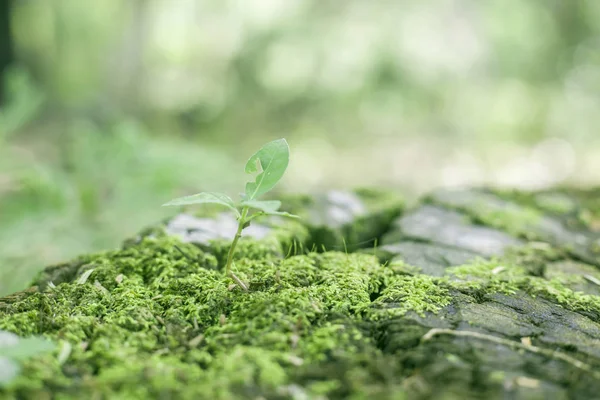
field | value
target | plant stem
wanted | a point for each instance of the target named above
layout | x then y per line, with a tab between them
238	235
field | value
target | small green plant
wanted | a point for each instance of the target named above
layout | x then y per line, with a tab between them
269	164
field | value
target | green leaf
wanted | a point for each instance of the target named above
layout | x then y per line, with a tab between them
267	206
284	214
204	198
84	277
272	159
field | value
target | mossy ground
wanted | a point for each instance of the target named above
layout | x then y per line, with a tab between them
148	323
159	319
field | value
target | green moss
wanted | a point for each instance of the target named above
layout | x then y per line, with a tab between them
159	319
565	278
292	236
575	275
150	261
555	203
590	216
268	248
400	267
517	221
561	294
490	276
534	256
174	319
499	276
410	293
486	270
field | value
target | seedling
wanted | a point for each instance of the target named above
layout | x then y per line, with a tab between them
269	164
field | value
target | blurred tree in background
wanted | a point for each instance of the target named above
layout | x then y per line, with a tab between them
114	107
6	47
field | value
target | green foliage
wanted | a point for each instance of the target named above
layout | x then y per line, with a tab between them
24	102
14	350
270	162
54	208
183	334
205	198
64	192
263	205
268	207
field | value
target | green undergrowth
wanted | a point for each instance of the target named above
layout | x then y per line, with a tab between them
166	308
146	320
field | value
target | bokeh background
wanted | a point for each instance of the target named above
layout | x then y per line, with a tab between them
110	108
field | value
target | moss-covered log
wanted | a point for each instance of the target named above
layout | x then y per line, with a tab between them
468	294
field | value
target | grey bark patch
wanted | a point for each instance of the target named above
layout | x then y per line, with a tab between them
557	325
449	228
537	309
470	198
534	348
575	275
431	259
59	273
526	220
335	209
347	220
494	317
579	243
203	230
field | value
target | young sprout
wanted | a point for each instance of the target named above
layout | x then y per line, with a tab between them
269	164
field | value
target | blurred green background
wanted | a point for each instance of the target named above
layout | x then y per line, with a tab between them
109	108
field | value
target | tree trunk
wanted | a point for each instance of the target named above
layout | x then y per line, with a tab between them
6	48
